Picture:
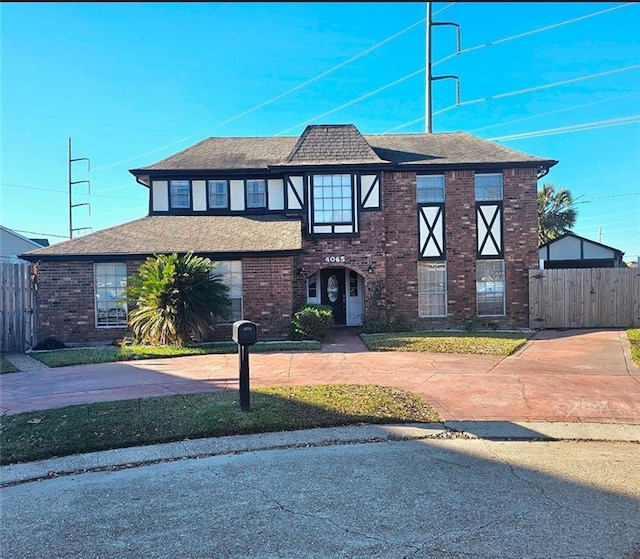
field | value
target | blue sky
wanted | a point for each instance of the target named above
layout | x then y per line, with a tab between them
132	83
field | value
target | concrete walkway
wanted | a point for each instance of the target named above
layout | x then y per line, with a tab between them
558	376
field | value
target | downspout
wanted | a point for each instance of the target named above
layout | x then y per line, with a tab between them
542	172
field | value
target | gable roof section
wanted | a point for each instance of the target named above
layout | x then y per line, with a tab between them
343	144
203	235
617	252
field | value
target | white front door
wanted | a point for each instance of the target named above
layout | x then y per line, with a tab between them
355	298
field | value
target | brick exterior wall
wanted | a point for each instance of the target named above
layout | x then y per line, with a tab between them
267	295
66	306
521	241
275	287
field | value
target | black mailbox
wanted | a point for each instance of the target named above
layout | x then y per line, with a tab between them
245	332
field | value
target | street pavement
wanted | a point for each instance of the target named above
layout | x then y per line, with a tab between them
538	456
419	493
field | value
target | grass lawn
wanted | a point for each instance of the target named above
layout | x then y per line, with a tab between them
77	429
81	356
6	366
490	343
634	338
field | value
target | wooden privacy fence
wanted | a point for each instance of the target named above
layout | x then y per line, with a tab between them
17	308
584	298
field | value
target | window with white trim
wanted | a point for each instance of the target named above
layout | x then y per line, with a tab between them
231	275
488	187
180	194
332	199
256	193
218	194
430	188
490	287
432	289
110	280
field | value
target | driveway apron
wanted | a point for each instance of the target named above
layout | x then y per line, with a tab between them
565	376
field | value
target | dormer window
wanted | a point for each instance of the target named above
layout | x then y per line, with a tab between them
180	194
256	193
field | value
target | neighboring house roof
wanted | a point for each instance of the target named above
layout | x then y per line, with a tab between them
41	242
343	144
171	233
571	234
602	250
13	243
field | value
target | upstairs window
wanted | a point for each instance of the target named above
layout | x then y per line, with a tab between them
180	194
430	188
332	199
488	187
256	193
218	194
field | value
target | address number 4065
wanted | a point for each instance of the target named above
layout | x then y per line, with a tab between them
335	259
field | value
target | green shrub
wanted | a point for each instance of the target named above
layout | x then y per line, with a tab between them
373	326
399	323
312	322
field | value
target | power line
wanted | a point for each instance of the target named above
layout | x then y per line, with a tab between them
608	196
62	192
571	128
323	74
370	94
279	96
538	88
518	92
533	32
41	234
549	113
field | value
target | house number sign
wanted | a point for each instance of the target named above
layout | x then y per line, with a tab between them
335	259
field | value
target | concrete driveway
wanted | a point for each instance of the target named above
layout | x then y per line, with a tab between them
565	376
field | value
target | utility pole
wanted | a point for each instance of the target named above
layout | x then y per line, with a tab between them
71	183
430	78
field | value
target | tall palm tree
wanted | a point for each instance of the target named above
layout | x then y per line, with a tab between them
176	299
556	212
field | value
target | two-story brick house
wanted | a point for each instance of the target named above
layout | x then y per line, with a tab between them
435	228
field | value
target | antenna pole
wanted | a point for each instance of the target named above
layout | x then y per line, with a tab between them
71	183
428	118
429	77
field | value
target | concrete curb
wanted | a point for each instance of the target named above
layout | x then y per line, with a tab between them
357	434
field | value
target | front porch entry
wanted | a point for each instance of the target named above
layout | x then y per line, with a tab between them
342	290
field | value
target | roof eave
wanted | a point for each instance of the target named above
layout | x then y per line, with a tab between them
111	257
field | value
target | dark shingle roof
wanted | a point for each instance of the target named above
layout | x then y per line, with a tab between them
173	233
333	144
228	153
451	148
342	144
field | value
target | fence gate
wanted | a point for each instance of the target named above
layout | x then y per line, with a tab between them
17	308
584	298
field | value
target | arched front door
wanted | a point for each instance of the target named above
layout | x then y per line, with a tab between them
333	294
342	290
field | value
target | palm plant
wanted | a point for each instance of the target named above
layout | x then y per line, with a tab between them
176	299
556	212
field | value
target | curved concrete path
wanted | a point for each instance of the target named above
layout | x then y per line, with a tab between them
558	376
